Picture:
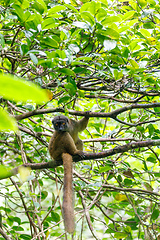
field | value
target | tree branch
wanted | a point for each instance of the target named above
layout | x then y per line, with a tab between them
4	234
89	156
112	114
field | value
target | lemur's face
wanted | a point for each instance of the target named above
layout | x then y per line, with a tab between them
60	123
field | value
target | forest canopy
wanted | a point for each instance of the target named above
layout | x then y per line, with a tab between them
67	58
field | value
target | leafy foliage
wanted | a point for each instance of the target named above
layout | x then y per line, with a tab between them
101	56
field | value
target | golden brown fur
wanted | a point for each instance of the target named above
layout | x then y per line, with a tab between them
62	146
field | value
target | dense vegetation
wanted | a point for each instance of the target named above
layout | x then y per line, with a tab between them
98	56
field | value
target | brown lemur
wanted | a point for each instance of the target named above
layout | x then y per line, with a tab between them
64	144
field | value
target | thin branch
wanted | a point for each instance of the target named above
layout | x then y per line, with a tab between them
109	139
38	112
115	99
4	234
88	218
89	156
111	187
112	114
25	207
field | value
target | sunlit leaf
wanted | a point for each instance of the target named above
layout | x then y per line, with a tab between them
104	169
17	89
134	64
111	19
56	9
111	33
24	173
48	23
5	172
151	40
42	3
88	17
128	15
101	14
69	6
121	197
120	235
50	42
145	32
142	3
7	122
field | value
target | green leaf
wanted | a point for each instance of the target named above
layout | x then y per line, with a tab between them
79	64
71	89
157	110
119	235
151	159
117	74
25	236
7	122
116	59
148	25
128	182
134	64
10	221
142	3
5	172
48	23
71	7
101	14
17	228
67	71
55	217
24	49
44	194
88	17
111	19
105	169
17	219
41	5
155	214
50	42
27	15
128	15
145	32
151	129
64	99
34	58
56	9
17	89
91	7
84	59
109	32
18	11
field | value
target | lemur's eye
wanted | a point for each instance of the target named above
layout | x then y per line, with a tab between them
56	124
63	123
